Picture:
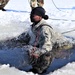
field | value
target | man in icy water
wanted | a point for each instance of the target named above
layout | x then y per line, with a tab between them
46	40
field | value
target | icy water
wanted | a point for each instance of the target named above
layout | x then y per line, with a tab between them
58	63
11	52
18	58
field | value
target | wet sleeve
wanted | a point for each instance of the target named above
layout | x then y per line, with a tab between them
24	38
45	39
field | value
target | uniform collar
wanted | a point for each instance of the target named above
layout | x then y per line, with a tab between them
40	23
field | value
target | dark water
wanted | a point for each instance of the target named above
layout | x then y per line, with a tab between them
17	57
58	63
13	52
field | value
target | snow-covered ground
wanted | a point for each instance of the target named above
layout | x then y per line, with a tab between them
16	21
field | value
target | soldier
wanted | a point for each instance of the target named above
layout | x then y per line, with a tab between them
36	3
2	4
46	39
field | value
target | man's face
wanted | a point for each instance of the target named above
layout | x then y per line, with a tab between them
35	18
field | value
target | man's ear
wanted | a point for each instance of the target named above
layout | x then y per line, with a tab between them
40	17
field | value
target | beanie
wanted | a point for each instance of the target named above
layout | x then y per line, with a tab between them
40	12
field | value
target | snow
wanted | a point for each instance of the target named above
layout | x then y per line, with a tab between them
12	23
66	70
6	70
16	21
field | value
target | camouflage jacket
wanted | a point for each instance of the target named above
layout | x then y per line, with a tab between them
3	2
47	38
36	3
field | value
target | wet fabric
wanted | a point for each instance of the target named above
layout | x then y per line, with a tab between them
48	38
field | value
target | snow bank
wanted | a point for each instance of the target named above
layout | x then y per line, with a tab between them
13	24
69	69
20	5
7	70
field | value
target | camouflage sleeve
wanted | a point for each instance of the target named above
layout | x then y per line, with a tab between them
4	2
40	3
33	3
36	3
24	38
45	39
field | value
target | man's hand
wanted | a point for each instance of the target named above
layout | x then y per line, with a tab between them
33	53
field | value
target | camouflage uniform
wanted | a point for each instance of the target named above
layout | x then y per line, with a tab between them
36	3
48	38
47	41
3	3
